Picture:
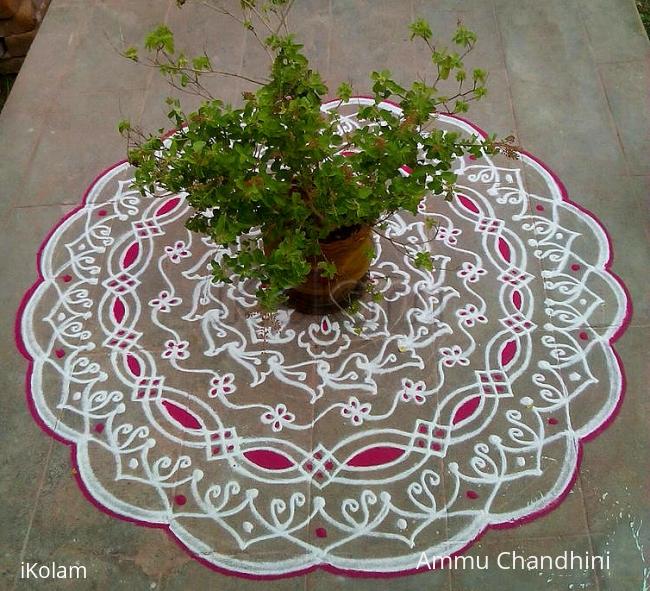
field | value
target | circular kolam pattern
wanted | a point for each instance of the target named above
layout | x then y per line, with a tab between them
353	441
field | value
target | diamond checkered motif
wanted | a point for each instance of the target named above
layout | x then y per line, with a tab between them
430	438
489	225
518	323
122	339
320	466
222	443
148	388
493	383
147	228
515	277
121	284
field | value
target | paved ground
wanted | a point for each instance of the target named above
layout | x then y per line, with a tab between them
568	77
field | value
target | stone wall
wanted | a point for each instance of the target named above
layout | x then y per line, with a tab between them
19	20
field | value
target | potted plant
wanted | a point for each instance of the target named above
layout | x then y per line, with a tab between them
292	195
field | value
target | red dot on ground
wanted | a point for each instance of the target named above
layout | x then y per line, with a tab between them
584	336
471	494
101	213
66	278
321	532
59	353
575	267
539	207
99	427
552	421
180	499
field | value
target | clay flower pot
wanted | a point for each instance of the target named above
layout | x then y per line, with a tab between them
349	252
318	294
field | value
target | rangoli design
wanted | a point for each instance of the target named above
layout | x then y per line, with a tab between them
353	441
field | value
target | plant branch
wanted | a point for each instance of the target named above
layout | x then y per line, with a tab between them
283	18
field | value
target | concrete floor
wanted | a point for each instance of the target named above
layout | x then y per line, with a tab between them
569	78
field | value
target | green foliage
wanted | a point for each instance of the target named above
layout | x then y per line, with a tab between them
644	10
131	53
201	63
423	260
124	126
279	164
464	37
327	269
344	91
160	39
420	28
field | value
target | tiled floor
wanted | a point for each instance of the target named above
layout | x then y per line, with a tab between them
569	78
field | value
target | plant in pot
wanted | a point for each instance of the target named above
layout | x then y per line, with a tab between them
292	195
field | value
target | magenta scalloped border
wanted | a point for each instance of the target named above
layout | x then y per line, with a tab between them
324	566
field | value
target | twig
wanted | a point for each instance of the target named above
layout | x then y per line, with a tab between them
283	18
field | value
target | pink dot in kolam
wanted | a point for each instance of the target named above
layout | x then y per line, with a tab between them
180	499
575	267
471	494
539	207
321	532
583	336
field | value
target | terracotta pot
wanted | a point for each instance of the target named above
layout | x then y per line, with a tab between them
317	294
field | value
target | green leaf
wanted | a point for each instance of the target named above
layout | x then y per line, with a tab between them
131	53
464	37
201	63
480	92
370	253
479	75
327	269
160	39
344	91
423	260
353	309
420	28
124	126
